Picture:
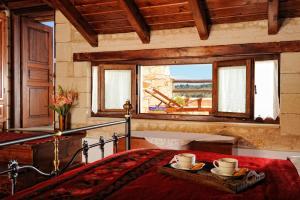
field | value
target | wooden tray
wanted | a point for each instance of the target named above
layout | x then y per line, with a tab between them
205	177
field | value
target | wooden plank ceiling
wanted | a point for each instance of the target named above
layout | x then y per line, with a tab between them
107	16
143	16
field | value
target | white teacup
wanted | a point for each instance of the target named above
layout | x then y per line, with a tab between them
185	160
226	166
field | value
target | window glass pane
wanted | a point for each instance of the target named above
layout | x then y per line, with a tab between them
95	90
176	89
266	101
232	89
117	88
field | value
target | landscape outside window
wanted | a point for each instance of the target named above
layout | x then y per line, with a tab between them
176	89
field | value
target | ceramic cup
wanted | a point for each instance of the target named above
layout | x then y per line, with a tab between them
185	160
226	166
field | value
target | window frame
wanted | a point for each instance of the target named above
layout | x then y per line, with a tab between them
101	86
271	57
249	88
184	117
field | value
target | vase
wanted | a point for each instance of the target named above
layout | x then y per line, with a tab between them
64	122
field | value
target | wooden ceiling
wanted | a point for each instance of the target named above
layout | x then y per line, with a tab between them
143	16
108	16
93	17
36	10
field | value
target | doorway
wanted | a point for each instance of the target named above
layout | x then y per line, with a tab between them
33	81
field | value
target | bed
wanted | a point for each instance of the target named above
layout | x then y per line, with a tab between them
133	175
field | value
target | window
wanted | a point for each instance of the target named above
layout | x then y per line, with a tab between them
266	98
232	88
176	89
244	89
112	86
95	89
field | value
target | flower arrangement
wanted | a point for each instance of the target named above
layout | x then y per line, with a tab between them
63	101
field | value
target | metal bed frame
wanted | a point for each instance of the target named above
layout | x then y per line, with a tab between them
14	168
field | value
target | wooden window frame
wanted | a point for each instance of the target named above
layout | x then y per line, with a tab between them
180	117
273	57
101	84
249	88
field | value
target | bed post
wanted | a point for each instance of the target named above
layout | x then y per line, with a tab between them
13	166
56	160
115	140
127	106
102	143
85	149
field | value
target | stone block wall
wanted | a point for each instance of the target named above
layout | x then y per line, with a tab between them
155	77
285	136
290	94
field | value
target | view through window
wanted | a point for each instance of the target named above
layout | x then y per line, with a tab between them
187	89
176	89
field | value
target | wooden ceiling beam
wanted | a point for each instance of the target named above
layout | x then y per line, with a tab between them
136	20
24	4
191	52
36	9
199	18
76	19
273	15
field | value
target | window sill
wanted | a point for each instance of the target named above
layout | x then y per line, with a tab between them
197	118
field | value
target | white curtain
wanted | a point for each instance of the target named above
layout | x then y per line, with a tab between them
266	102
232	89
95	90
117	88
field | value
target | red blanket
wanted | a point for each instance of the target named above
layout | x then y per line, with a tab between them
133	175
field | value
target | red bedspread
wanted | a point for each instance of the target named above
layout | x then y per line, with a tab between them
133	175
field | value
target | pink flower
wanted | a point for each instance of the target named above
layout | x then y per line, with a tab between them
63	101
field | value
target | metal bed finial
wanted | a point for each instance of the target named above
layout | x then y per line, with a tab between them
85	151
128	107
102	143
13	174
115	141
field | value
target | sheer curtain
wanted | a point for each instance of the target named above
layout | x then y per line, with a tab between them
95	89
232	89
266	101
117	88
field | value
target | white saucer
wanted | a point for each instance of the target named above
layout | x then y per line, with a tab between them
175	166
217	172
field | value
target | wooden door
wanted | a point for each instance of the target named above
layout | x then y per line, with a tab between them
2	66
37	73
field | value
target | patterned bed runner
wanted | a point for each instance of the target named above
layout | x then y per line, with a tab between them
99	180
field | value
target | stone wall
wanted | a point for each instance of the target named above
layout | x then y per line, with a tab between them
155	77
285	136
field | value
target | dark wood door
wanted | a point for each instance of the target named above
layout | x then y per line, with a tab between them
2	66
37	73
